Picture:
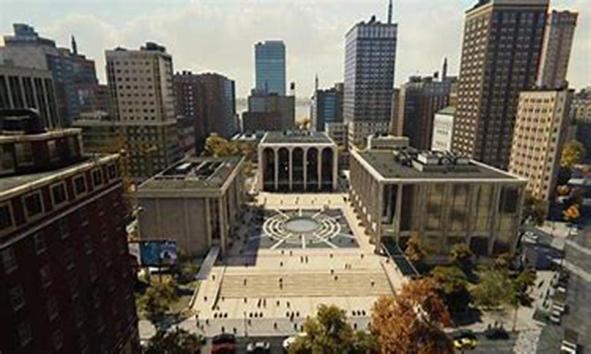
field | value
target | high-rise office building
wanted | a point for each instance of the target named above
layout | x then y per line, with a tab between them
209	101
22	87
419	99
541	126
370	54
67	280
558	41
500	55
269	112
141	88
327	107
68	68
269	59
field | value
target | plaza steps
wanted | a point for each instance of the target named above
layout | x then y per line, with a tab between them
306	284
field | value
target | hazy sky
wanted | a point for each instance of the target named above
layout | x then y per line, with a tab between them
218	35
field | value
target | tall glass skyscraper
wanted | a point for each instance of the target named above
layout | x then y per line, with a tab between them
270	67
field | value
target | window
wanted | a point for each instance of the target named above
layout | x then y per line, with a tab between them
39	240
33	204
58	194
24	333
5	216
6	160
52	308
80	185
17	299
45	275
112	171
8	260
58	339
63	228
79	314
24	154
52	149
97	177
69	258
83	215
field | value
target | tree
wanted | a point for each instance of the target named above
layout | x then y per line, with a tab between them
462	255
155	302
414	250
217	146
452	286
330	333
535	209
412	321
573	153
494	289
177	341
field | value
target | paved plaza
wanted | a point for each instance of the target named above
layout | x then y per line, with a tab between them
290	254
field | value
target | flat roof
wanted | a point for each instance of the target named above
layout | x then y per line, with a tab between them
18	184
296	137
385	164
203	173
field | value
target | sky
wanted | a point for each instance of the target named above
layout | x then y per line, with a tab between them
219	35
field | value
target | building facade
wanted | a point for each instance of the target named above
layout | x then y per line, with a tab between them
327	107
443	125
558	41
22	87
209	101
419	99
440	198
68	68
493	73
370	55
297	161
194	203
66	282
269	57
142	92
275	109
541	127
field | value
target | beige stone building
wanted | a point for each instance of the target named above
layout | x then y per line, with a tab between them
558	41
141	87
541	127
442	198
194	202
297	161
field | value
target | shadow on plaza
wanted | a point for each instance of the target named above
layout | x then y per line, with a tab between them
466	318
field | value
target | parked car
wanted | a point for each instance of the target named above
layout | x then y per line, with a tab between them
224	343
567	347
258	347
465	340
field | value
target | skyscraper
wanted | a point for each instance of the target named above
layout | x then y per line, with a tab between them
69	69
500	55
327	107
370	56
558	40
141	88
269	59
209	101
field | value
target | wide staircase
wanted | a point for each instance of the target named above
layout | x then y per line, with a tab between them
306	284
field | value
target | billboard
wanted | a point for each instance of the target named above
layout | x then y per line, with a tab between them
156	253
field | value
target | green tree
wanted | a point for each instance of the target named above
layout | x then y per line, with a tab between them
462	255
177	341
452	286
217	146
412	321
329	333
534	209
494	289
573	153
156	301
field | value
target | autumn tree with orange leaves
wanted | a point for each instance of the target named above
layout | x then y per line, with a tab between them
412	321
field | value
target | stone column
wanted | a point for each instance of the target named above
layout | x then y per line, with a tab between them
335	168
208	222
276	171
222	221
319	165
290	152
305	159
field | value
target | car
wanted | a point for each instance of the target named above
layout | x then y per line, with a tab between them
465	340
290	340
258	347
224	343
567	347
555	317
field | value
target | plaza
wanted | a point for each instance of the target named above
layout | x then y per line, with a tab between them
291	253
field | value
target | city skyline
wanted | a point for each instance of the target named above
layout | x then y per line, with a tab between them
313	34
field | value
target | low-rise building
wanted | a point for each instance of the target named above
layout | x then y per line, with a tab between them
297	161
441	198
65	275
195	202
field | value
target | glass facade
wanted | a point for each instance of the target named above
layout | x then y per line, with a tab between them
270	67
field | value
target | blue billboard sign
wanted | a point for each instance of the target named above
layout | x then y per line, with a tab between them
157	253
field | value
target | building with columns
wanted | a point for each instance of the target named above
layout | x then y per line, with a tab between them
441	198
195	202
298	161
